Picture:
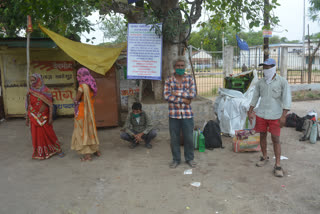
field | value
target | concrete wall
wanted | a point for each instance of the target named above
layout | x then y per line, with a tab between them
301	87
159	113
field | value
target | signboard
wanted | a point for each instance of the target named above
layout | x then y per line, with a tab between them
54	72
63	99
144	54
267	33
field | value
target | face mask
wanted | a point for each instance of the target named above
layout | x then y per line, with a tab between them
269	73
180	71
136	115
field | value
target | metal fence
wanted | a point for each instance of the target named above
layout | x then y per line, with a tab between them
208	67
297	63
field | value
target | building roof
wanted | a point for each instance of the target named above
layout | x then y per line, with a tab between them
21	42
280	45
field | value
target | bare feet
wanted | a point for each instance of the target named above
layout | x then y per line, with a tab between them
86	158
97	153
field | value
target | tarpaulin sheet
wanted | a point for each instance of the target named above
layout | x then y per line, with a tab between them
97	58
231	107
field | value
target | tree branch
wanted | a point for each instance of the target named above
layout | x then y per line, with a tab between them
117	7
155	5
316	49
195	12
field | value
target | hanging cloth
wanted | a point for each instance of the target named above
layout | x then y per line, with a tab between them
97	58
242	44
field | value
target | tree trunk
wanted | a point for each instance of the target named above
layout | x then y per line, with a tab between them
169	52
310	59
266	15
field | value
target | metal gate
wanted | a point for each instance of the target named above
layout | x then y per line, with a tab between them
208	69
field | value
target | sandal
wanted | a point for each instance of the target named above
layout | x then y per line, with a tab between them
263	161
278	172
61	154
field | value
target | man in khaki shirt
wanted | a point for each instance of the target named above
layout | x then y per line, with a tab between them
275	102
138	127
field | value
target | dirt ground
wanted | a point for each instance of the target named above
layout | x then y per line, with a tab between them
124	181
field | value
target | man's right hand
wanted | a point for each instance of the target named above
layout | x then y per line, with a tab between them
251	116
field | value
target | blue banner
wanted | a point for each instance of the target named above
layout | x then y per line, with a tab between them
242	44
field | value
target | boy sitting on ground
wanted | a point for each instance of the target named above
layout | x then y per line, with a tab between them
138	127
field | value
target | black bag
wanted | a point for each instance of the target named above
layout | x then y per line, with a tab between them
291	120
300	122
306	129
212	134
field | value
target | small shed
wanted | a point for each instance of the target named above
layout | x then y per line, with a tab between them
201	59
46	59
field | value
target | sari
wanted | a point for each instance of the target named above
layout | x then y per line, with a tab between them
44	140
84	138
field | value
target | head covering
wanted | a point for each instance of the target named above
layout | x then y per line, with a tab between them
40	87
269	74
84	77
268	62
40	90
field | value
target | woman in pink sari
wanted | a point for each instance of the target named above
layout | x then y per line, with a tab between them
39	117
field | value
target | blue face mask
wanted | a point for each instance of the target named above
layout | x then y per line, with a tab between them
180	71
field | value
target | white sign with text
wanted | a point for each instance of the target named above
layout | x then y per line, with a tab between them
144	54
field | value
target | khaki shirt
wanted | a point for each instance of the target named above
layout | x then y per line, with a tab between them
275	97
132	125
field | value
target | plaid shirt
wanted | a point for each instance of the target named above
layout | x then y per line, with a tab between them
186	89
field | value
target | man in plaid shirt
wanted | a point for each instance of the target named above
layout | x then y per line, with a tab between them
179	90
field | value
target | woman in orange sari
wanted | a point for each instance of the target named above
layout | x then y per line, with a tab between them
39	117
85	139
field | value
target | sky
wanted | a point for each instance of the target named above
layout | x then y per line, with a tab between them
290	14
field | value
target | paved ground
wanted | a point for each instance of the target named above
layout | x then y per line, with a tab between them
138	181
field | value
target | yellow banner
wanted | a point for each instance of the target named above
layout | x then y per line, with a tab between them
97	58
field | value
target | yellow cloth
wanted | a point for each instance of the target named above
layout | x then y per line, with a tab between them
97	58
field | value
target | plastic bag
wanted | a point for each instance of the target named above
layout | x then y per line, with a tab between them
314	133
231	108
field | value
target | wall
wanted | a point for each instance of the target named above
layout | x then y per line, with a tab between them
159	113
56	69
128	88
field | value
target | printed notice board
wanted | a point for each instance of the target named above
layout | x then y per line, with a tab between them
144	52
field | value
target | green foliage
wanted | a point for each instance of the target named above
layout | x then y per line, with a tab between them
211	38
230	12
315	36
115	29
66	17
221	13
314	10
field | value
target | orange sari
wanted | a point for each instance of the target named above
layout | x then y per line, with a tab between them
84	138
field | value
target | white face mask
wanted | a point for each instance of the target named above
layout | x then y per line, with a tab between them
269	73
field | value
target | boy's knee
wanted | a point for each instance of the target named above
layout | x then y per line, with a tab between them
123	135
153	133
